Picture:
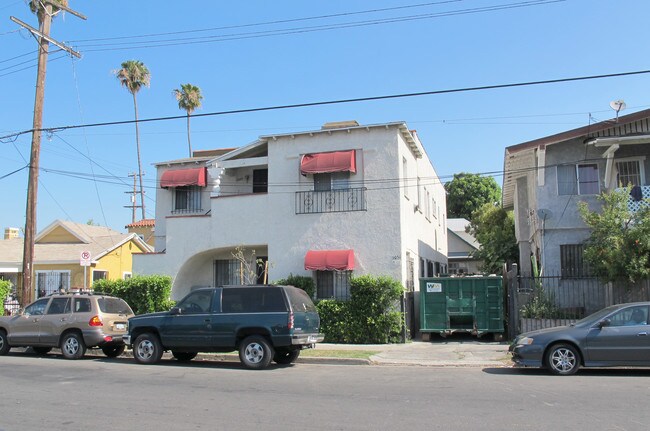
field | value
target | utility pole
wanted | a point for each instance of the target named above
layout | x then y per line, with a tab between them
133	194
43	38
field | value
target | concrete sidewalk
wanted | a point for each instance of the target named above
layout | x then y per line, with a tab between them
458	352
455	351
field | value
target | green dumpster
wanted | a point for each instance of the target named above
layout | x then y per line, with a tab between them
461	304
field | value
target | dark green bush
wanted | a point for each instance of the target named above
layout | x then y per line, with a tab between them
371	316
301	282
334	320
5	289
145	294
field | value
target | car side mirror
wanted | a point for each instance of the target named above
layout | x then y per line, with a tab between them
604	322
175	311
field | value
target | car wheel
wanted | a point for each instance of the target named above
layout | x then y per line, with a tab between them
184	356
563	359
72	346
113	351
255	352
41	350
286	356
147	349
4	344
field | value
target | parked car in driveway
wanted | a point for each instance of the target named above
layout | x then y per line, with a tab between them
614	336
263	323
72	322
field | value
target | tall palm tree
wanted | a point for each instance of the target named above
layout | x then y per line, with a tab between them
134	75
189	98
38	7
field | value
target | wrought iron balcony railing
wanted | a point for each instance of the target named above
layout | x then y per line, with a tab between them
331	201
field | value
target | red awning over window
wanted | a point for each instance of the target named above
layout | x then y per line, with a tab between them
184	177
321	163
329	260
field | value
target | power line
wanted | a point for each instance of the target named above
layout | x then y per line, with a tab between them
308	29
14	172
32	66
18	56
338	101
283	21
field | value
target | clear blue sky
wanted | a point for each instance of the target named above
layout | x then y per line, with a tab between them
299	61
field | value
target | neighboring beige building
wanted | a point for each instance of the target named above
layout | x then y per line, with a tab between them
345	199
144	229
461	245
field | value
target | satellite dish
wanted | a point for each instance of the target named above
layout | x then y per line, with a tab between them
544	214
618	106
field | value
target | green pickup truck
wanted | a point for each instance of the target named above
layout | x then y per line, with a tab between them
263	323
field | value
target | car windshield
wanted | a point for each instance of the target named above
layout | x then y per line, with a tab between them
114	306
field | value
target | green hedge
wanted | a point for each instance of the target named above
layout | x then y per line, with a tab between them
145	294
371	316
5	289
299	281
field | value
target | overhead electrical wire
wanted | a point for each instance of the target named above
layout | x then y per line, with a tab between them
335	102
282	21
298	30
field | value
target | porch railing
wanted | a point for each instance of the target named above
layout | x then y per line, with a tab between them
636	205
331	201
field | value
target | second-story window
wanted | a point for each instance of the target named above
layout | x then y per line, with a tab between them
629	172
334	181
187	199
582	179
260	180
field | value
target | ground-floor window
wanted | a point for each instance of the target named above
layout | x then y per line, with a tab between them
572	262
48	282
457	268
99	274
333	284
227	272
430	272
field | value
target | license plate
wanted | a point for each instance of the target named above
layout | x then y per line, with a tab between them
311	339
120	326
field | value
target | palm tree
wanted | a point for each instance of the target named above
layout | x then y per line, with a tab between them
134	75
189	98
38	7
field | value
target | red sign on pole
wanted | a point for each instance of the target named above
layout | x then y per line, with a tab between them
84	258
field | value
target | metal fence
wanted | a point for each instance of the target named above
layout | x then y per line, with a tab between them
548	301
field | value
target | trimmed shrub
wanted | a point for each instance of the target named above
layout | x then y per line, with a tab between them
145	294
334	320
301	282
371	316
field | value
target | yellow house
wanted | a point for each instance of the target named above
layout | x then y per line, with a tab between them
72	255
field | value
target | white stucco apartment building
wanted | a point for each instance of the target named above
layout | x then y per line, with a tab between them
340	201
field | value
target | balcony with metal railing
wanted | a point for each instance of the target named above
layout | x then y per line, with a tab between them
331	201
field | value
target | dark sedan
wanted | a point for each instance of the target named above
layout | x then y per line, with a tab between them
614	336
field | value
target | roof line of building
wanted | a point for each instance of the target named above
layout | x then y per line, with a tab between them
580	131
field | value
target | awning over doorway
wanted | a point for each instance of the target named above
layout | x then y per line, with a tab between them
336	161
184	177
329	260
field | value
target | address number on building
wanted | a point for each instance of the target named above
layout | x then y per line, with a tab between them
434	287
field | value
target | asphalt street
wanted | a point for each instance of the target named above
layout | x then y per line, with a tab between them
101	394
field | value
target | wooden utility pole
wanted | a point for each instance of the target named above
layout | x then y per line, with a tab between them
43	37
